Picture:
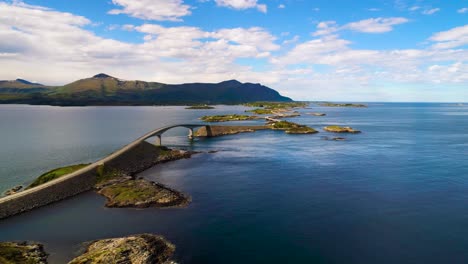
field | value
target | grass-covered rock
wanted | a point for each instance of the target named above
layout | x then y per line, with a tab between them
126	192
134	249
261	111
277	105
301	130
342	105
226	118
24	253
292	128
200	107
55	174
340	129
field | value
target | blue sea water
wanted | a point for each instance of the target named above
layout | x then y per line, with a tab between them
396	193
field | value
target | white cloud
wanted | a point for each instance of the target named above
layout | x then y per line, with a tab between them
242	4
462	10
326	28
171	10
295	39
430	11
54	48
281	6
371	25
414	8
452	38
373	9
376	25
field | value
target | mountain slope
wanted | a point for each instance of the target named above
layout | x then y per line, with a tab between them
21	86
103	89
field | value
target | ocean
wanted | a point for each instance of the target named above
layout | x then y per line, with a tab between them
395	193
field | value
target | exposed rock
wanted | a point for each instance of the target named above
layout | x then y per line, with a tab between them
135	249
285	114
335	138
14	190
200	107
342	105
141	193
317	114
292	128
23	252
339	129
226	118
216	131
301	130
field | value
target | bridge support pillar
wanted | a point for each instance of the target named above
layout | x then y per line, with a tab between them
158	140
190	135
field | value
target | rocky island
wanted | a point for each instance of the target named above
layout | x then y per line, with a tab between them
200	107
23	252
340	129
134	249
226	118
292	128
140	193
342	105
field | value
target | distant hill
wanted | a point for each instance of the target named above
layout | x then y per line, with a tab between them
21	86
103	89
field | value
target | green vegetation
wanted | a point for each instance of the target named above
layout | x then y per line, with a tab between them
339	129
104	173
277	105
200	107
342	105
261	111
301	130
141	193
55	174
292	128
13	253
225	118
143	248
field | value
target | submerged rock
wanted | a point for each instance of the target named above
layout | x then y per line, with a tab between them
141	193
317	114
135	249
14	190
335	138
23	252
339	129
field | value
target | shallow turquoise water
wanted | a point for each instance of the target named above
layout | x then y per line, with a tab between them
396	193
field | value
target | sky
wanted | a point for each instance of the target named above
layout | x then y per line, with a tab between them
342	50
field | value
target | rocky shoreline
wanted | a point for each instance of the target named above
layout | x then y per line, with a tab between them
133	249
22	252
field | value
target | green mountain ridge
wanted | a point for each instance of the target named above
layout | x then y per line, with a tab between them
103	89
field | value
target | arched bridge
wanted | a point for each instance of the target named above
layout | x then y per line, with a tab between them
75	182
158	132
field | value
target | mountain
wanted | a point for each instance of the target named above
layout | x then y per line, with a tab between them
21	86
103	89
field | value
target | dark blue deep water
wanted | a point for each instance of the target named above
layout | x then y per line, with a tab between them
397	193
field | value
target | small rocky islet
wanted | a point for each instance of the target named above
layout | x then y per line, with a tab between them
22	252
200	107
140	193
133	249
340	129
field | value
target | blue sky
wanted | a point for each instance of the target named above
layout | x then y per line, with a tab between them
392	50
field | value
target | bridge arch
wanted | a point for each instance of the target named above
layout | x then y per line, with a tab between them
160	131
